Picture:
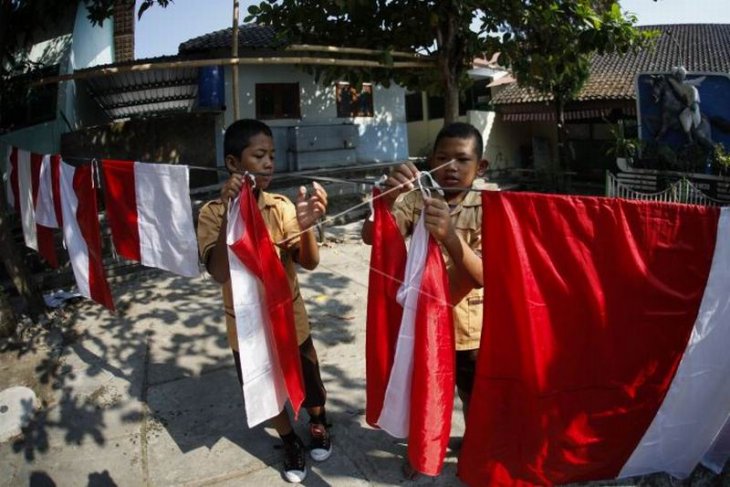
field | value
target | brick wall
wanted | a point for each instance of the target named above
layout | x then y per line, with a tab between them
123	30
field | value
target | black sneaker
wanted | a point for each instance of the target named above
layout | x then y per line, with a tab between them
321	445
294	463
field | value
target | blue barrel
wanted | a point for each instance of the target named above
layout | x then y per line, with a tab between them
211	88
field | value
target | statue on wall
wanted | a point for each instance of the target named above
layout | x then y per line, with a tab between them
679	101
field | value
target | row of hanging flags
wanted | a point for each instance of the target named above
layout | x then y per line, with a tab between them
606	321
147	206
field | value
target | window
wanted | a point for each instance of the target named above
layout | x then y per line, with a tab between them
277	100
350	103
435	107
414	107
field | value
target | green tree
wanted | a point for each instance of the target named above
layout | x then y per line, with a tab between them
548	45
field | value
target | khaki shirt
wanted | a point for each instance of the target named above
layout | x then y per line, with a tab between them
466	218
280	218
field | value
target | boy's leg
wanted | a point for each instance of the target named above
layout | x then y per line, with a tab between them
466	363
295	468
321	443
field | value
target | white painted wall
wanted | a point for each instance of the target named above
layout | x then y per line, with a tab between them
382	137
90	46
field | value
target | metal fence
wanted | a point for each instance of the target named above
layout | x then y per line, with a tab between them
681	191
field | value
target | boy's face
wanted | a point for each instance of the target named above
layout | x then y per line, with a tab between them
466	166
257	157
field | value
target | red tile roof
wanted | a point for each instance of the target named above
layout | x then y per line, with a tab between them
701	48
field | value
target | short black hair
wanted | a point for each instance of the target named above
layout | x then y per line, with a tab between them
461	130
238	135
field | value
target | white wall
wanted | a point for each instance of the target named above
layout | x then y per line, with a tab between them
91	45
382	137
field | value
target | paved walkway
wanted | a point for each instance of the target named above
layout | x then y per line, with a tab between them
149	396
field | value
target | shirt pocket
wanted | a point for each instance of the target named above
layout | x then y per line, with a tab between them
475	313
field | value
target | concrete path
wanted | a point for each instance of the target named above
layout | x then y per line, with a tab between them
149	396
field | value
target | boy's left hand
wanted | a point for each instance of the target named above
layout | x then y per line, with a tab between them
438	221
310	208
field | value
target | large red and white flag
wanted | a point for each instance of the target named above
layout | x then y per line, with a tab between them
604	348
262	301
420	393
81	232
387	264
150	214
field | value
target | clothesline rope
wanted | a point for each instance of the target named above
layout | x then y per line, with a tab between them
365	203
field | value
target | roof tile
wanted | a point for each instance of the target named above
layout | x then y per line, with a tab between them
250	36
701	48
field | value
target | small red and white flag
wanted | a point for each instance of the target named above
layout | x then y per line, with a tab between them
47	199
604	346
27	185
419	397
81	232
21	162
262	302
150	214
387	264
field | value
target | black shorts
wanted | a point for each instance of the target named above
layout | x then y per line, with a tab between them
466	364
315	395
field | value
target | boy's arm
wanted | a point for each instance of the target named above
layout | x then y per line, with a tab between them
217	264
216	261
309	209
467	264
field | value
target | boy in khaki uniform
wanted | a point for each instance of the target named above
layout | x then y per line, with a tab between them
248	146
455	221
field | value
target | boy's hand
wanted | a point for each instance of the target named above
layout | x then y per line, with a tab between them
399	180
231	188
309	209
438	222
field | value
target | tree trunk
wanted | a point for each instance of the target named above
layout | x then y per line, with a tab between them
451	101
563	155
8	322
450	58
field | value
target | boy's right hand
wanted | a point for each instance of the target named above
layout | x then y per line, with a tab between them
231	188
400	180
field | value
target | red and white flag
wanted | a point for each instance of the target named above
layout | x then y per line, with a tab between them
21	163
47	199
420	393
604	348
81	232
150	214
262	301
387	264
28	187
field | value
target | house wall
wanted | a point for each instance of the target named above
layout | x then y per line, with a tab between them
382	137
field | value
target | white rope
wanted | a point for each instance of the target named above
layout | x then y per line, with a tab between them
364	203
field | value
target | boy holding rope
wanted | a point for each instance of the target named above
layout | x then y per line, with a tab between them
455	221
249	147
